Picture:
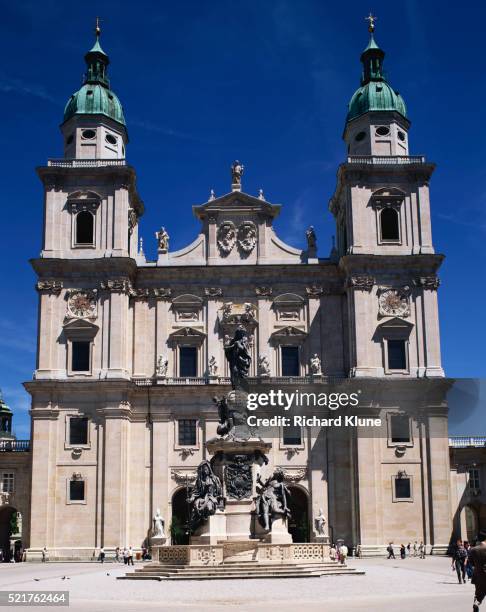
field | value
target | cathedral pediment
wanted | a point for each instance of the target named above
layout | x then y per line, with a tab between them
237	202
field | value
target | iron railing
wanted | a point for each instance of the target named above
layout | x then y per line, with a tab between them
85	163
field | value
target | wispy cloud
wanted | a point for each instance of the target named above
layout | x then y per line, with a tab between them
150	126
18	86
17	337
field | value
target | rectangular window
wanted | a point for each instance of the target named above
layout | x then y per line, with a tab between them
290	361
397	357
292	436
7	482
474	479
187	435
403	489
78	430
80	356
76	490
400	429
188	361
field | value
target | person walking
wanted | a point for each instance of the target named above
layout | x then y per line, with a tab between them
415	548
125	555
422	550
389	550
459	560
44	554
409	549
359	552
130	556
343	553
477	556
117	554
102	555
333	553
403	551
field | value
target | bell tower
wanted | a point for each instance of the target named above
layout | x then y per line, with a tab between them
382	211
94	125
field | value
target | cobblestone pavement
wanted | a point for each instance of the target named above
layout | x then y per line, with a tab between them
411	585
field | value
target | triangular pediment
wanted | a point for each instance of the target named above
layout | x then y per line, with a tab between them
81	325
395	323
289	332
237	201
187	332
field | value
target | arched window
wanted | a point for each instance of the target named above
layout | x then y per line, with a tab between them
390	224
84	228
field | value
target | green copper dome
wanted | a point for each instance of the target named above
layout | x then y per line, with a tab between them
375	93
95	97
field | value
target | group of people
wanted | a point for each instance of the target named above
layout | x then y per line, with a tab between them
339	552
124	554
417	550
470	562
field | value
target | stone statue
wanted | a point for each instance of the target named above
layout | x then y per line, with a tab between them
237	169
162	240
206	496
264	366
213	366
158	525
162	366
320	522
237	352
311	238
271	502
315	364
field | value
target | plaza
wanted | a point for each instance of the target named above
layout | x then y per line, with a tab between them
413	584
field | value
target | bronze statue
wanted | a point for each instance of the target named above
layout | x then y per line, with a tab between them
238	355
236	172
206	496
271	502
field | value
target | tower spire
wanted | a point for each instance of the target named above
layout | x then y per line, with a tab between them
372	57
371	22
97	60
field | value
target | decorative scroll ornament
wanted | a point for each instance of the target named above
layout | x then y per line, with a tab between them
152	292
183	477
81	303
427	282
314	290
263	290
213	291
362	283
237	477
50	286
295	475
118	285
226	237
247	236
394	302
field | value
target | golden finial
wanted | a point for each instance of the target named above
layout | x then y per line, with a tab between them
371	20
97	27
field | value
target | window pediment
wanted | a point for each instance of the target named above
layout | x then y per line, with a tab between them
289	333
80	328
187	335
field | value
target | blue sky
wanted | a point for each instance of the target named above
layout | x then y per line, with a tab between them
203	83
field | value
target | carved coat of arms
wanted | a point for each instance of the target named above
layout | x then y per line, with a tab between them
226	237
238	478
247	236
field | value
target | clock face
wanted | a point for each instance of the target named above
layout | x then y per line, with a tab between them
393	303
82	304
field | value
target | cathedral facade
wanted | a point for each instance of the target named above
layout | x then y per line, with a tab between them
131	351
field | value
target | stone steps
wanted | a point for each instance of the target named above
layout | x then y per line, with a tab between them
238	570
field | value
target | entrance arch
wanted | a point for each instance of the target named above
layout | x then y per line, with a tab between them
179	532
10	527
299	527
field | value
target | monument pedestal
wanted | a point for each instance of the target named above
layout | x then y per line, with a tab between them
279	533
158	541
212	531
